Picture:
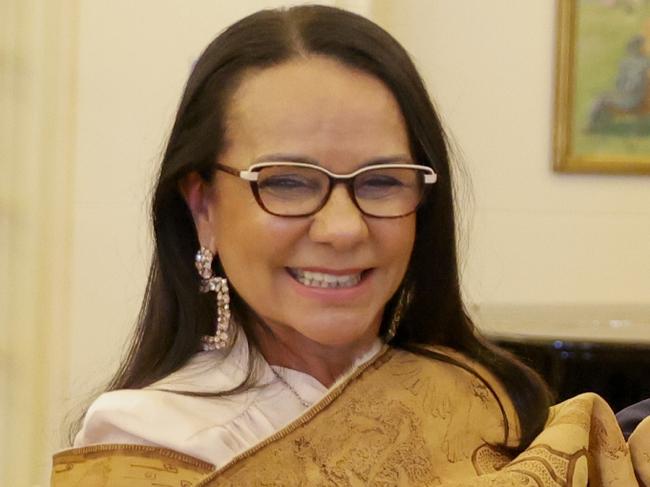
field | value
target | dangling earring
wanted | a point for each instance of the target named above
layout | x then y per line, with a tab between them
400	308
210	282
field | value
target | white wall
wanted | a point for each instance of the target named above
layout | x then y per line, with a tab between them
536	237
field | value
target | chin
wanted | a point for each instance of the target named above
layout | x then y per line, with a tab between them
338	337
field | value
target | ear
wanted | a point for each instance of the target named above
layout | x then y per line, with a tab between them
197	193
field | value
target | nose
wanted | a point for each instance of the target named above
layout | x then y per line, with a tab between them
339	223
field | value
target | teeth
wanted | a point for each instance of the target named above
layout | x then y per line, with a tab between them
319	279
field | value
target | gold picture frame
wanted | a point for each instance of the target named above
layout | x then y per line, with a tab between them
602	97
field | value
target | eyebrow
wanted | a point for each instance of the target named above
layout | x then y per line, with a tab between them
392	159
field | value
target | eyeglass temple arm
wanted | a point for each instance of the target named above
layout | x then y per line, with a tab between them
247	175
430	178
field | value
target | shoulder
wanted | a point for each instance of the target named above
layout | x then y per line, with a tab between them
152	417
162	414
108	418
457	365
212	429
468	382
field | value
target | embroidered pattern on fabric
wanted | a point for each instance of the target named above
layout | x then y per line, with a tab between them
132	465
406	425
546	466
487	459
438	398
396	425
540	465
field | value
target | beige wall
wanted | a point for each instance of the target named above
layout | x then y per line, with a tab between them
535	237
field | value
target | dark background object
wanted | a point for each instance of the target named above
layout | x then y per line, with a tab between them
618	372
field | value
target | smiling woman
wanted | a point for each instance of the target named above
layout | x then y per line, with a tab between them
323	340
311	109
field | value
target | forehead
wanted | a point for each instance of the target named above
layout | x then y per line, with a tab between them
316	106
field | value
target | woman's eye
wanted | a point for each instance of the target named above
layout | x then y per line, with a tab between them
376	186
381	182
282	181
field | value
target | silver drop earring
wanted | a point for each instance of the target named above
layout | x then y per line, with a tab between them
392	328
210	282
400	308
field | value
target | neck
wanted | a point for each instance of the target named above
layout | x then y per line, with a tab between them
286	347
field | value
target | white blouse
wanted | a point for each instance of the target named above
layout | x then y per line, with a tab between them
214	429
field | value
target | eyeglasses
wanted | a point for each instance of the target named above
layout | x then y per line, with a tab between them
295	189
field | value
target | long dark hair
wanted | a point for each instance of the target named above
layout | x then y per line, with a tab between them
174	315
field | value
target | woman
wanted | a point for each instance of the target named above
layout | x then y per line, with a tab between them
306	189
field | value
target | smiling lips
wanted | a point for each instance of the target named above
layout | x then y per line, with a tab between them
325	280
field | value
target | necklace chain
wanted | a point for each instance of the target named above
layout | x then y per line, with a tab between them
290	387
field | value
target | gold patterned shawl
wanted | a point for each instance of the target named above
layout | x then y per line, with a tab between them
640	448
401	419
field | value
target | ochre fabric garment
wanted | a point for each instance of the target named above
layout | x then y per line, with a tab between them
127	465
640	447
403	420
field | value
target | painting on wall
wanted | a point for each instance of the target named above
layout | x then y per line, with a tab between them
602	116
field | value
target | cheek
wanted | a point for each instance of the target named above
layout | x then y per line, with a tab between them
397	238
250	241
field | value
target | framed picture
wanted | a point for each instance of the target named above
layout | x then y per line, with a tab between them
602	102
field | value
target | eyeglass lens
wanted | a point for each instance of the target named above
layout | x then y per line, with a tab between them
383	192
